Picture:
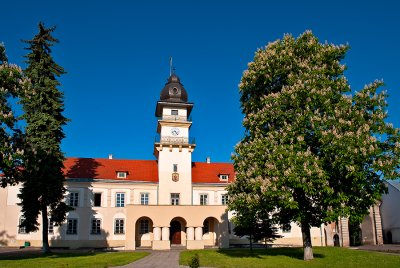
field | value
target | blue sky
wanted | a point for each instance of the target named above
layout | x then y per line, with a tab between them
117	54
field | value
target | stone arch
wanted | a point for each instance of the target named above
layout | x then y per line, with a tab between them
336	241
211	231
177	234
144	232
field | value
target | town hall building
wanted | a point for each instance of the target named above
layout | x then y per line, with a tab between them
162	203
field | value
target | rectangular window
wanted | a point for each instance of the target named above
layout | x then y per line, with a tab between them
286	228
21	229
97	200
144	226
72	226
51	227
121	175
119	226
96	226
175	199
175	167
223	177
224	199
144	198
73	199
203	199
174	112
120	200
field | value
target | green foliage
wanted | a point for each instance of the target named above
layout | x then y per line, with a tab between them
311	149
43	179
194	261
12	82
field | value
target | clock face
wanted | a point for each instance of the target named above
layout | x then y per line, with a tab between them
175	131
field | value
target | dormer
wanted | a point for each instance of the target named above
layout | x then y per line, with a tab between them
122	174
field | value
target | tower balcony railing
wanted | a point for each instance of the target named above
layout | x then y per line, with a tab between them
175	118
174	140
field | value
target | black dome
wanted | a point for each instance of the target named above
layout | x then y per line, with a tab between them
174	90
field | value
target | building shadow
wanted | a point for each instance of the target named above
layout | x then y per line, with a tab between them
295	253
4	238
88	216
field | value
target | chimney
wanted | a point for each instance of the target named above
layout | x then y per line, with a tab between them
110	156
208	160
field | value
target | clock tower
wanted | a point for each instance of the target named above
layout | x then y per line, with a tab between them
173	149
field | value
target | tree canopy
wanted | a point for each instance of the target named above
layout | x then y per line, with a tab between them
312	149
12	82
43	179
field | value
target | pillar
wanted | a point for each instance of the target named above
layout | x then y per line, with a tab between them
157	233
190	233
198	233
165	234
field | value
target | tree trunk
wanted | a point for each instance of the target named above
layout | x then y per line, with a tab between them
45	231
307	246
251	243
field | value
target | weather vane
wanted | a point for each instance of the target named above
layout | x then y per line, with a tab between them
171	67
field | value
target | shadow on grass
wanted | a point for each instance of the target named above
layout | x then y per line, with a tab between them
295	253
34	255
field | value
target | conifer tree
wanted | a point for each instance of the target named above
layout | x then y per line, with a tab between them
311	149
12	83
43	187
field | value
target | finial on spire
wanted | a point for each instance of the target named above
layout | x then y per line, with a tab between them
170	66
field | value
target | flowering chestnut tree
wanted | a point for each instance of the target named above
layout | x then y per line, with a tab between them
12	82
311	149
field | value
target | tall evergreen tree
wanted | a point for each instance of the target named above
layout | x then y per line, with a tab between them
43	187
12	83
313	150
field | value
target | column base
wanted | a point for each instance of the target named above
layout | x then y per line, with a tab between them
195	244
161	245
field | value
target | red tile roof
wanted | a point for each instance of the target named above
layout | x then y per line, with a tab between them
140	170
100	168
209	172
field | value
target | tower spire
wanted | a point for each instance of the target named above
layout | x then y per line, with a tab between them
170	66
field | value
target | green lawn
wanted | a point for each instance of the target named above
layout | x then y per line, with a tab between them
71	259
292	257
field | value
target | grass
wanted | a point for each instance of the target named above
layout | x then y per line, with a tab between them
292	257
69	260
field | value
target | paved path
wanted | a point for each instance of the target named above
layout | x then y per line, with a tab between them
158	259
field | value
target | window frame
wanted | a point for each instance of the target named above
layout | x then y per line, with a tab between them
120	199
175	168
118	227
224	199
73	199
95	226
122	174
21	229
94	199
203	199
50	227
174	112
144	198
144	226
72	226
175	199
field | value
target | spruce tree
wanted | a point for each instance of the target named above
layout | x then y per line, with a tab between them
311	149
12	83
43	187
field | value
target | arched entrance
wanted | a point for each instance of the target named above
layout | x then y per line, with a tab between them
336	241
210	232
175	235
143	232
